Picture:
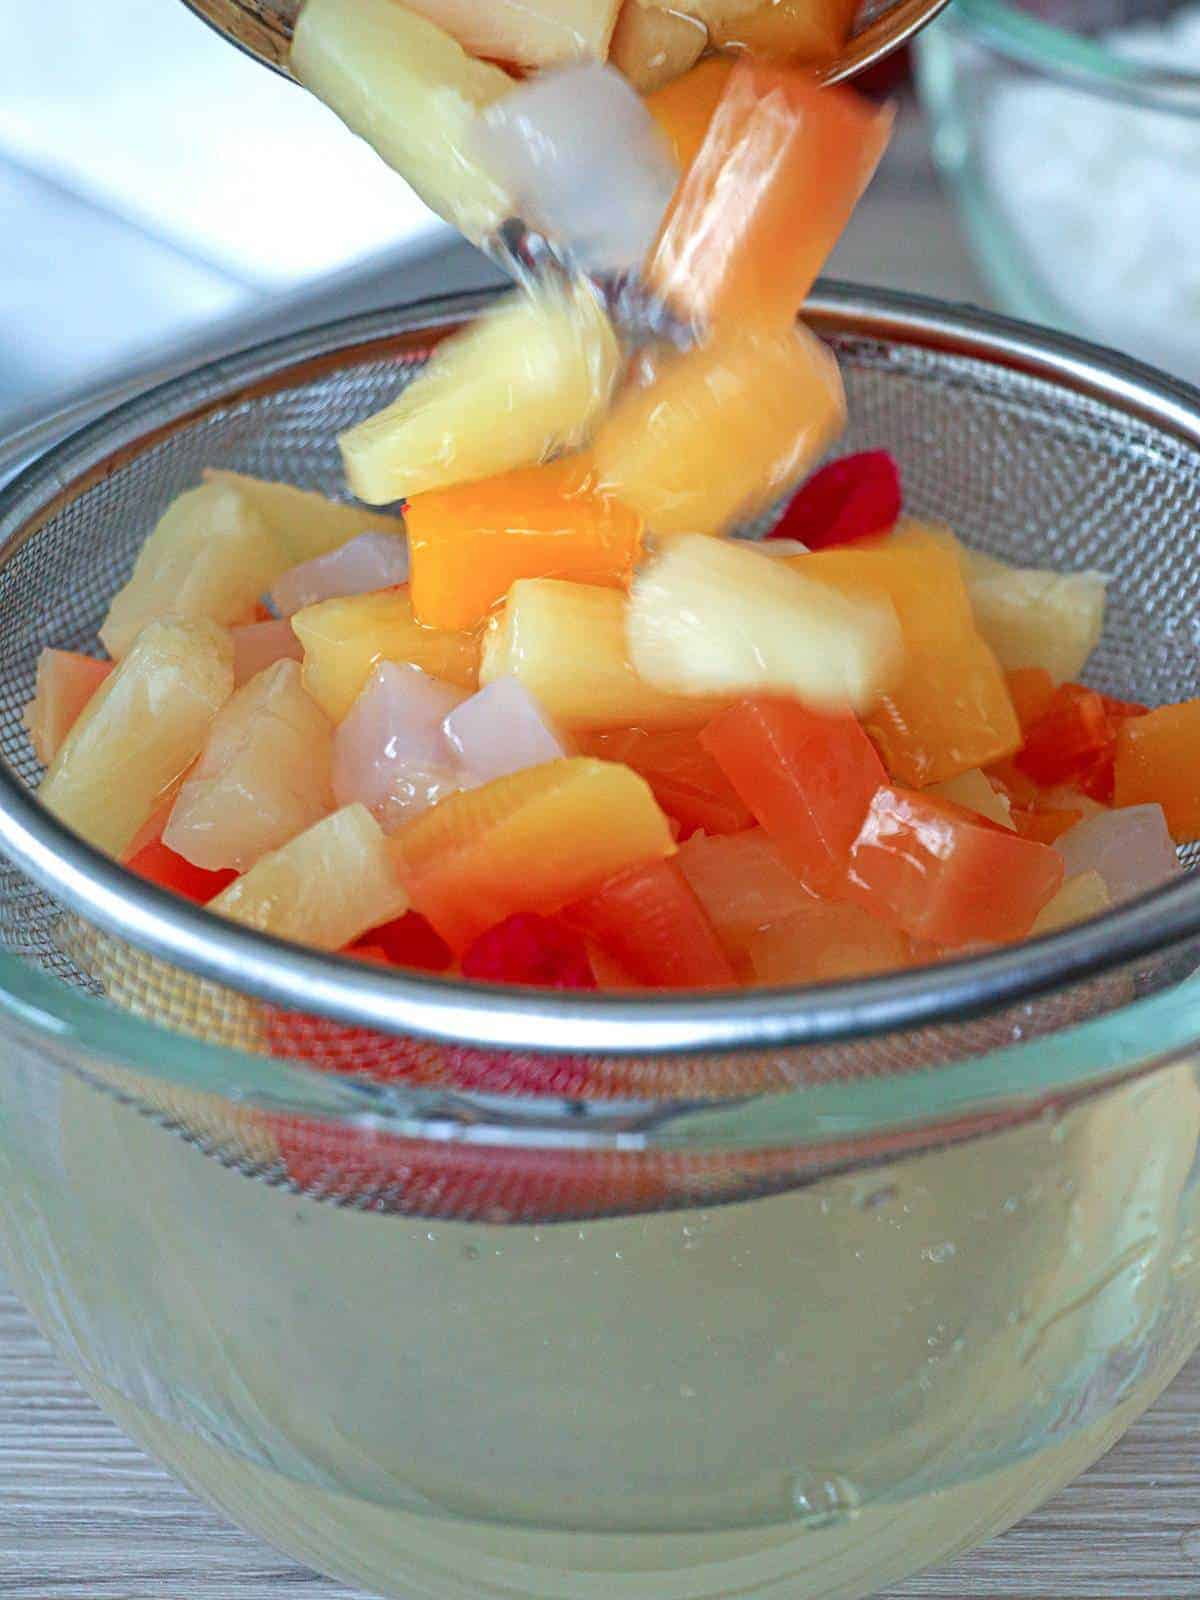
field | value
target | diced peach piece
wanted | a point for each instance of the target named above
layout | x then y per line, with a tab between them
343	640
720	430
684	109
1033	617
211	555
950	710
525	381
1083	896
789	30
1045	824
824	942
529	33
412	92
782	167
688	784
711	617
262	777
326	887
306	524
534	841
566	644
741	881
470	544
139	732
973	792
651	920
653	47
258	645
942	875
65	682
1031	690
1158	760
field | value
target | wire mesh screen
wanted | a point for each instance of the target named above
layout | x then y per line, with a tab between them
1018	466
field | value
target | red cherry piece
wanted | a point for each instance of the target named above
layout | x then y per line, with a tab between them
159	864
530	949
858	497
409	941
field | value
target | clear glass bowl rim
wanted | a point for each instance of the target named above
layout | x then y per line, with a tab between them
534	1021
1016	34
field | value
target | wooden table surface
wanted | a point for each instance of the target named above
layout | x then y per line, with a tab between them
84	1515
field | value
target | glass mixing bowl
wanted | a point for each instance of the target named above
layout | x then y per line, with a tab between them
1074	157
783	1293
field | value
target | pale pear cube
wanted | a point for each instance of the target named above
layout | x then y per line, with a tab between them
711	617
972	790
1033	617
263	776
530	33
391	751
523	382
369	562
412	92
653	47
306	524
258	645
211	555
1083	896
325	888
140	732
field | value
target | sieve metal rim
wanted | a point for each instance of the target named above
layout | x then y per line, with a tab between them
502	1018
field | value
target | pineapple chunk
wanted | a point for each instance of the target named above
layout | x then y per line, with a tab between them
653	47
140	731
530	33
65	683
526	380
711	617
263	777
972	790
565	643
413	93
1083	896
306	524
326	887
210	556
1035	618
343	640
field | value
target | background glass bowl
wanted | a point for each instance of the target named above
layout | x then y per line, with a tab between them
1075	162
784	1293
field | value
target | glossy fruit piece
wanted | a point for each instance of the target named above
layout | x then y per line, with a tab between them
412	92
65	682
857	497
1083	896
529	33
1046	824
742	883
343	640
950	709
501	729
1017	787
651	920
326	887
211	555
1071	736
823	942
1131	848
722	429
687	782
390	751
526	380
471	543
781	168
140	732
534	841
263	776
943	875
1032	617
566	644
1031	690
1158	759
409	941
653	47
807	777
684	109
259	645
158	864
528	949
712	617
306	524
600	200
788	30
974	792
363	564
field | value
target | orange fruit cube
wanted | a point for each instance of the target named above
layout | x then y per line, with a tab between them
684	109
651	921
1158	759
742	883
66	681
470	543
533	841
823	942
1031	689
688	784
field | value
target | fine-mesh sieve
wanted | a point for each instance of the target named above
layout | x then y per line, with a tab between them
1032	447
